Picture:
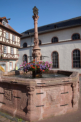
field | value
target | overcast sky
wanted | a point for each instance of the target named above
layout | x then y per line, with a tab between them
50	11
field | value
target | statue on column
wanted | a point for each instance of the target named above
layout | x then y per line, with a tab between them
36	49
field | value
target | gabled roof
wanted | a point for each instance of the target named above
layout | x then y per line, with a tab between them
1	18
8	26
54	26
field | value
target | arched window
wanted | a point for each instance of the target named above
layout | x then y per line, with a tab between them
55	59
25	58
54	39
75	36
40	42
25	44
76	58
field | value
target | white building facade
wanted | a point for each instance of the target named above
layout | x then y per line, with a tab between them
59	42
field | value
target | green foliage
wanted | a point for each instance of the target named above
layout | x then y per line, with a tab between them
20	120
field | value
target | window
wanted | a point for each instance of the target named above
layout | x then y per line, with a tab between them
13	38
54	39
25	58
4	23
76	58
41	57
25	44
5	49
3	66
11	65
55	59
39	42
75	36
6	35
17	51
12	50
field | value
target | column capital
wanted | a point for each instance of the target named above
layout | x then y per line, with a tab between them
35	17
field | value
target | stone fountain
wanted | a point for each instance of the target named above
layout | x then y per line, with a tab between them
39	98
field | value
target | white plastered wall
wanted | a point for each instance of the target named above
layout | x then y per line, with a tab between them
64	48
13	62
0	34
65	54
0	31
29	41
63	35
14	50
10	36
21	53
8	48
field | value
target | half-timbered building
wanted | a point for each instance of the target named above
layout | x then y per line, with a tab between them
9	44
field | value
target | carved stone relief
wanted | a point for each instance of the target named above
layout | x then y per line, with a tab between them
8	94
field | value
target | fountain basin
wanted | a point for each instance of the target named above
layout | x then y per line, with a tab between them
36	99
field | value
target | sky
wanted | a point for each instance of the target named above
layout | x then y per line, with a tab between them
50	11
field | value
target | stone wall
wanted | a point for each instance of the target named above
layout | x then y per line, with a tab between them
36	99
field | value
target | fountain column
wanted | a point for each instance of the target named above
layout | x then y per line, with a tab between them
36	49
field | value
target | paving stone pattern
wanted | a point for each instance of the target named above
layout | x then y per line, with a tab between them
69	117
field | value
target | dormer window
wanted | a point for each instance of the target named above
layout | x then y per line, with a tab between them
55	26
13	38
4	22
6	35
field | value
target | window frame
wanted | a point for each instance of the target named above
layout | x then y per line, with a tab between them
54	37
17	52
7	35
24	43
52	59
74	34
6	49
12	51
80	59
27	58
13	38
10	66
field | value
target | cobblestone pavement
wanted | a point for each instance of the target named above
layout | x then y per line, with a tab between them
69	117
7	118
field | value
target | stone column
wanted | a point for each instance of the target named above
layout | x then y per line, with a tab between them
36	49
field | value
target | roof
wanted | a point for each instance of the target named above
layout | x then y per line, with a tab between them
8	26
54	26
1	18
